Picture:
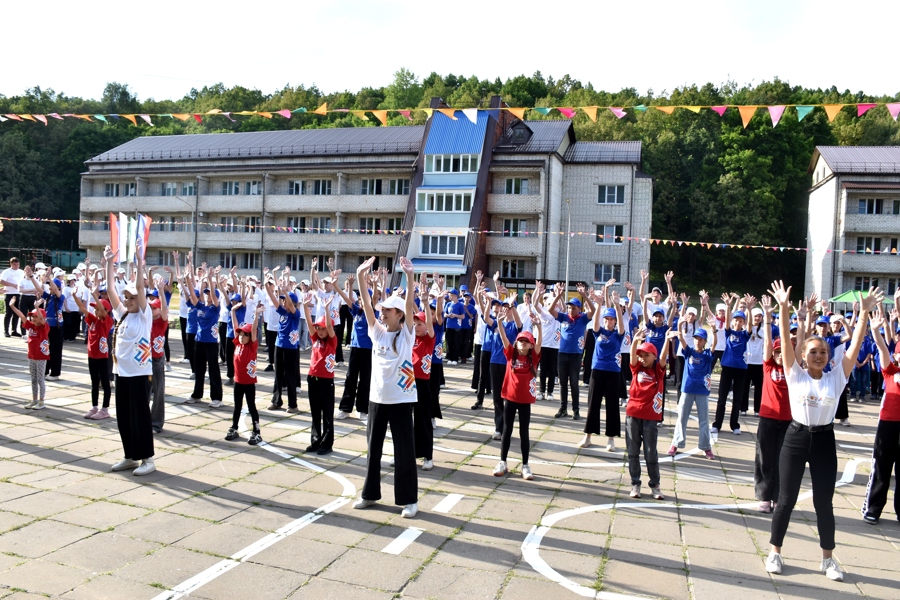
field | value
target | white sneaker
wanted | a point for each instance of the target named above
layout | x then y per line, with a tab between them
497	435
362	503
168	367
635	491
774	563
736	431
714	430
364	417
410	510
539	397
611	445
190	400
341	415
427	465
30	404
550	398
215	404
147	467
526	473
657	495
831	569
500	470
845	423
125	464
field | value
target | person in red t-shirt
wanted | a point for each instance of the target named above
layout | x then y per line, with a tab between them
886	454
38	332
519	392
158	328
245	348
644	410
423	354
99	323
321	377
774	415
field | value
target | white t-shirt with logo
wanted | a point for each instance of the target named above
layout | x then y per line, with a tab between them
393	379
133	356
815	402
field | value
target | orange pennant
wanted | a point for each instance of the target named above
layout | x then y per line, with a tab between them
214	111
181	117
130	118
449	112
832	110
747	113
666	109
519	113
322	110
28	117
381	115
267	115
85	117
590	111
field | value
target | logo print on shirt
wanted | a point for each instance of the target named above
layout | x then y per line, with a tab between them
406	381
45	347
335	314
581	343
159	344
251	368
777	375
619	360
215	332
657	403
426	364
329	363
532	387
439	352
557	336
294	338
142	352
707	381
103	346
644	377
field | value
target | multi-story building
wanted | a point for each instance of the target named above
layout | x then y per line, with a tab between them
854	220
454	195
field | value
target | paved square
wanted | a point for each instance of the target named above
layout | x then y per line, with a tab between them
224	519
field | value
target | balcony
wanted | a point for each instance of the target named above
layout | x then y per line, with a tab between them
229	240
514	204
131	204
347	242
171	239
888	264
872	224
525	246
231	204
355	203
93	238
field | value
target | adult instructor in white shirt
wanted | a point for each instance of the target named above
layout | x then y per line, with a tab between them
10	279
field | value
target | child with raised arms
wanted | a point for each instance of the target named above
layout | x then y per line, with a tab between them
320	378
246	349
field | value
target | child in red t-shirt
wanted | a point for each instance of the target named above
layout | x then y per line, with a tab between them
519	392
321	378
38	332
886	453
158	328
423	353
245	347
99	324
644	410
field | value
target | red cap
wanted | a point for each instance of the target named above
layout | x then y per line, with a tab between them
40	311
104	303
648	348
154	303
526	335
320	323
420	316
776	345
246	328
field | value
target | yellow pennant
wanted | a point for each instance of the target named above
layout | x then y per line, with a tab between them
448	112
214	111
381	115
359	114
590	111
832	110
428	112
693	109
747	113
666	109
29	117
246	113
322	110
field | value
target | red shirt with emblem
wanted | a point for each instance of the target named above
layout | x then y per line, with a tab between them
645	395
775	402
890	404
38	342
321	363
244	362
98	335
519	383
158	330
423	353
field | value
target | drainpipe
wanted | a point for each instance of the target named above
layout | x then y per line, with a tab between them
262	236
196	214
630	232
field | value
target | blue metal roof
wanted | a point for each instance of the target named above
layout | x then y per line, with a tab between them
447	187
445	267
461	136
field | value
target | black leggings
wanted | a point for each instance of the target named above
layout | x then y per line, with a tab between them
99	370
358	381
10	317
569	366
818	449
509	419
434	384
166	347
287	374
484	382
423	431
321	407
189	350
886	457
604	386
182	321
769	440
732	380
549	369
498	374
754	378
229	357
240	391
206	356
54	364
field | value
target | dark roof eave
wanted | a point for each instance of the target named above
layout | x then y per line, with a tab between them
256	168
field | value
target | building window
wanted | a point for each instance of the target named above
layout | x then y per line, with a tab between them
250	260
610	234
187	189
516	185
394	224
512	269
105	224
603	273
894	245
170	188
611	194
896	204
165	223
865	282
891	287
253	188
296	188
164	258
230	224
320	187
398	187
228	259
370	187
444	245
386	261
451	163
294	262
319	225
296	225
515	227
231	188
871	206
368	225
120	189
444	202
868	245
322	261
111	189
252	225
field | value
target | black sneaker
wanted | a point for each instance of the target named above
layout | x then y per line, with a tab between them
269	368
232	434
561	413
871	519
17	334
255	439
477	406
312	448
323	450
576	416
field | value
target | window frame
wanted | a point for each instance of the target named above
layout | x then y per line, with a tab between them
434	240
615	272
616	237
603	194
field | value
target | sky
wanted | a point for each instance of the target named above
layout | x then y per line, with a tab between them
163	49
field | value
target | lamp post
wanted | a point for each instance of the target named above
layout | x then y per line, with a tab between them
568	242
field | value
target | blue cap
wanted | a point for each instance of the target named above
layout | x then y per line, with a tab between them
293	297
575	302
701	333
102	288
739	315
848	315
610	313
57	282
454	291
235	297
495	301
433	304
659	311
154	292
793	327
823	320
464	288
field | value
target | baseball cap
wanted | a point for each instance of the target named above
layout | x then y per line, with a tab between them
327	280
823	320
756	311
420	316
691	311
610	313
656	289
776	345
131	289
246	328
739	315
527	336
320	322
293	297
235	297
454	291
721	306
304	281
701	333
648	348
40	265
155	303
835	318
658	310
120	271
575	302
464	288
392	302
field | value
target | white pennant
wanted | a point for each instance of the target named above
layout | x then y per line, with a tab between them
471	114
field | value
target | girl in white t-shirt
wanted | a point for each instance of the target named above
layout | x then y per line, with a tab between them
809	439
133	367
393	393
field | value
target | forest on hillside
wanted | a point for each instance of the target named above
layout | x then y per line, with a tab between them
714	180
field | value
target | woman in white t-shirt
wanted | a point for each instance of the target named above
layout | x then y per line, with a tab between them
814	395
133	367
393	393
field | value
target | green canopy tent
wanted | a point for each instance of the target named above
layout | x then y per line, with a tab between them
854	296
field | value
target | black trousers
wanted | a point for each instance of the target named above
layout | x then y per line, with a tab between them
587	357
359	378
877	382
625	381
452	337
549	368
99	371
818	449
732	379
434	385
71	324
755	378
287	374
206	358
484	380
229	357
190	349
182	322
271	337
604	386
476	371
223	329
679	371
769	440
11	318
133	416
569	367
166	350
717	357
424	433
406	482
843	410
54	363
886	457
25	304
509	420
498	372
321	405
242	390
466	339
339	350
346	317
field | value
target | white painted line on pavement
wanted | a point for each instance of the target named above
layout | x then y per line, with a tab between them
849	447
403	540
447	503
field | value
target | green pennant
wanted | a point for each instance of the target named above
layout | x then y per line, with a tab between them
298	110
544	111
802	111
101	117
640	107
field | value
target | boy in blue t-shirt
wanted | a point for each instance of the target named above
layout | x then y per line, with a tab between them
695	386
734	363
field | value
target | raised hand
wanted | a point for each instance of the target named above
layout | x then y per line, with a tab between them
669	276
873	298
766	304
726	298
712	322
479	275
644	275
628	285
107	255
781	294
408	268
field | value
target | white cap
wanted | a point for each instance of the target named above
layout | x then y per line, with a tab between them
392	302
304	281
292	279
721	307
835	318
40	265
71	277
327	280
756	311
81	267
692	311
121	271
131	289
93	267
57	271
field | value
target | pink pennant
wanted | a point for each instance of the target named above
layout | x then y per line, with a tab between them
719	109
894	109
40	118
55	116
13	117
284	113
405	113
567	112
862	109
619	112
146	118
775	113
228	116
